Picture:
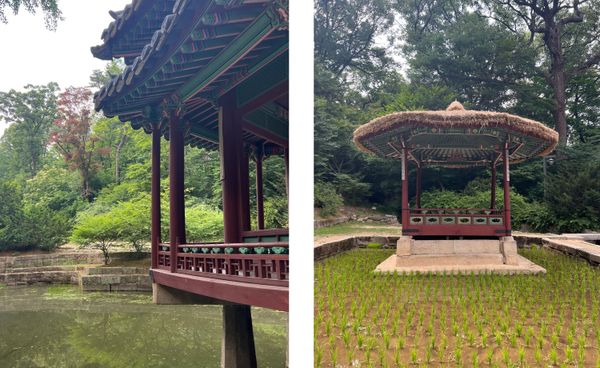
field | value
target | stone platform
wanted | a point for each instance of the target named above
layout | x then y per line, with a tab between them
458	256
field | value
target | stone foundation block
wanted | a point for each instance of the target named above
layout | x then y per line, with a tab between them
404	246
508	247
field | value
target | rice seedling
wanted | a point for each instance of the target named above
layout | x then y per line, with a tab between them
364	319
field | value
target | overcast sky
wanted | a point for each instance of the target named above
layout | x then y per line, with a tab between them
31	54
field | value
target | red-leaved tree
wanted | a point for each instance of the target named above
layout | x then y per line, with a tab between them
72	134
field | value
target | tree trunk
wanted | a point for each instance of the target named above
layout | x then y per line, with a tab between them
557	79
118	156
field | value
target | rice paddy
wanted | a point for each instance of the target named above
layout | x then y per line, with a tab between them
363	319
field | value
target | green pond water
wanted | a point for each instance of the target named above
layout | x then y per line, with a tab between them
60	326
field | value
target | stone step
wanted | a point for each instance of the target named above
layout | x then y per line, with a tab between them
107	282
48	268
450	260
449	247
118	271
50	277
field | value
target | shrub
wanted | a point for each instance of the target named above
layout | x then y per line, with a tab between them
97	231
203	224
374	245
276	212
11	216
44	228
327	199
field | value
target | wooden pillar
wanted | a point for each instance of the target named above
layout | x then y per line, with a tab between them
405	207
176	185
260	208
493	186
230	144
506	181
237	349
155	194
244	185
418	185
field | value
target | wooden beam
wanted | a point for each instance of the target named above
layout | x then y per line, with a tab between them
265	134
274	93
256	32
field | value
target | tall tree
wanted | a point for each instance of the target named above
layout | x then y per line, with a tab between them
72	135
52	13
346	35
570	33
31	112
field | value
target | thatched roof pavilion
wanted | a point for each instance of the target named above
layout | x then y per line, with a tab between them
456	239
455	137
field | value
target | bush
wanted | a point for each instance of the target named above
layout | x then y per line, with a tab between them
327	199
44	228
97	231
203	224
276	213
374	245
11	216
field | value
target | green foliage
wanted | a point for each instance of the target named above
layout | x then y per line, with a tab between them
203	223
52	13
44	228
97	231
327	199
374	245
11	216
276	212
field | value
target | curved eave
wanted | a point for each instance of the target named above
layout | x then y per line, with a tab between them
196	48
386	135
132	28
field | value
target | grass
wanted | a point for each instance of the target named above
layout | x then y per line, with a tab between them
349	228
450	320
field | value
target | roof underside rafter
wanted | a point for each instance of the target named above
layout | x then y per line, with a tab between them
202	50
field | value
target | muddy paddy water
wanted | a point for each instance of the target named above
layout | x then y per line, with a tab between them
60	326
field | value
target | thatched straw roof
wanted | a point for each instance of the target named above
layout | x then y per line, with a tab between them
453	130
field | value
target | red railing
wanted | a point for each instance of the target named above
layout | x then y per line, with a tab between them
455	221
265	262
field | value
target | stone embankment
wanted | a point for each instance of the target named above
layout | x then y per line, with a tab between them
82	268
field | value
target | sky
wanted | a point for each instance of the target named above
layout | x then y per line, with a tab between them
31	54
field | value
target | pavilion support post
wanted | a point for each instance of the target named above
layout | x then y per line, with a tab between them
260	208
155	194
506	181
176	185
493	187
244	185
418	185
230	145
237	349
405	207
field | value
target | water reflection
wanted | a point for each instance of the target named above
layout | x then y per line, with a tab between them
58	326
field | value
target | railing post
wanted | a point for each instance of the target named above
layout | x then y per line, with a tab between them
155	193
176	185
506	190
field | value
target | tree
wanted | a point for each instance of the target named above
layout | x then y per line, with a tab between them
570	34
97	231
100	77
31	113
52	13
72	135
346	37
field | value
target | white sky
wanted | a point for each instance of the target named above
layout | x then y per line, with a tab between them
31	54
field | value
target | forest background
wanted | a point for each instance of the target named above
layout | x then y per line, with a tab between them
69	174
537	59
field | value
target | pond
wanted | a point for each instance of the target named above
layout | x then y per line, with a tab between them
60	326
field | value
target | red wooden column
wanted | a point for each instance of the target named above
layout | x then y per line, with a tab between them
493	186
237	348
260	208
176	185
286	158
155	193
230	144
418	185
506	181
405	208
